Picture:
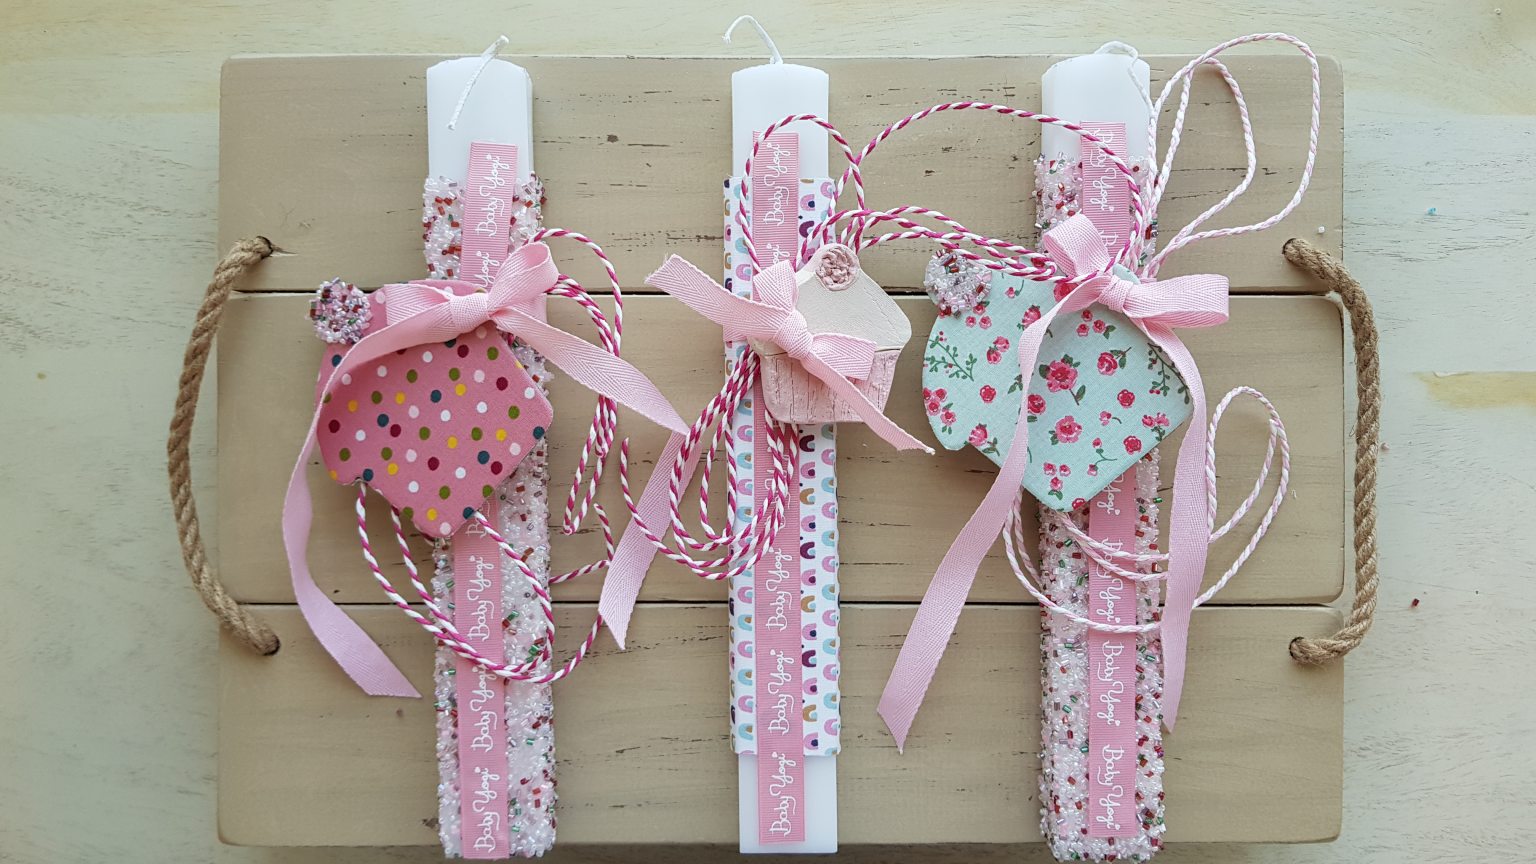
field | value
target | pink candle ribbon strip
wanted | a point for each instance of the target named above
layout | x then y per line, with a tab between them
1157	307
776	627
428	311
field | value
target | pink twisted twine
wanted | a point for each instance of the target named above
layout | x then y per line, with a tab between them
441	626
747	545
604	424
1184	77
1102	553
746	186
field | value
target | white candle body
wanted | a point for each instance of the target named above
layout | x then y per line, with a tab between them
499	109
763	95
1097	88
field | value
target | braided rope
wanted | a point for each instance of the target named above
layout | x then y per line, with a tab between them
1362	322
240	622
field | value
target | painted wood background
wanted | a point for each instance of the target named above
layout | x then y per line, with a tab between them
108	114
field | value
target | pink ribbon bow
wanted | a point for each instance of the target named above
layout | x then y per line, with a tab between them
1157	308
834	358
429	311
837	359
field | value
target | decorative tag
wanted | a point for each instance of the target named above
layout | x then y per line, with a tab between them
1101	397
433	428
836	296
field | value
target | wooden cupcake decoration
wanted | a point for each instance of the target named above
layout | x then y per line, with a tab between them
834	295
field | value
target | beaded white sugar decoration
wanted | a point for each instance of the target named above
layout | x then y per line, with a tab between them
956	284
340	312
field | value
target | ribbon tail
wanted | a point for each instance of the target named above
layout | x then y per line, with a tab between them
1188	529
945	598
741	318
633	556
363	660
357	654
872	417
596	369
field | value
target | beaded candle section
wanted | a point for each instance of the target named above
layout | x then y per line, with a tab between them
1065	703
1065	706
520	511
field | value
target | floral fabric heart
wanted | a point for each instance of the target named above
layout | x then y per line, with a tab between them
1101	397
434	428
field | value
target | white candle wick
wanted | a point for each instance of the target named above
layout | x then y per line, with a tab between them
773	50
486	57
1115	46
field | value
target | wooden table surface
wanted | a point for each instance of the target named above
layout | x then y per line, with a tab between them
108	137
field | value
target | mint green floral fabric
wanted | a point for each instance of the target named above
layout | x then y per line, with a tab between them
1101	397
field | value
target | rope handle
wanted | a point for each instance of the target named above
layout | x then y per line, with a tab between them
1362	323
239	621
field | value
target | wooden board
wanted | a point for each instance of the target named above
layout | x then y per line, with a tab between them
306	759
325	156
1288	347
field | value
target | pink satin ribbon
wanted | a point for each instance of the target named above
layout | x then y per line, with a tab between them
836	359
1157	308
429	311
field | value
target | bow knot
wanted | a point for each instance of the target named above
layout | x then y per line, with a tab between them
1183	301
456	306
795	337
1115	292
469	311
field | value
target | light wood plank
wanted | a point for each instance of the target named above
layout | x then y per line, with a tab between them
325	155
1289	347
306	759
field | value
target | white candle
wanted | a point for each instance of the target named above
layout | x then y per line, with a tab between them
763	95
498	108
1107	86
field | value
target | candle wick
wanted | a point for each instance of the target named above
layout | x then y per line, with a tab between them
486	57
773	50
1118	47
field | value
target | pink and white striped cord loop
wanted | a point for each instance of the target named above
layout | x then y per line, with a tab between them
1107	556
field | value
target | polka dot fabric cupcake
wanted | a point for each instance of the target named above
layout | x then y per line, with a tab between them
435	428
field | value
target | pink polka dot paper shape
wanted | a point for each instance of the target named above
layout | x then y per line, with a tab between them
435	428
